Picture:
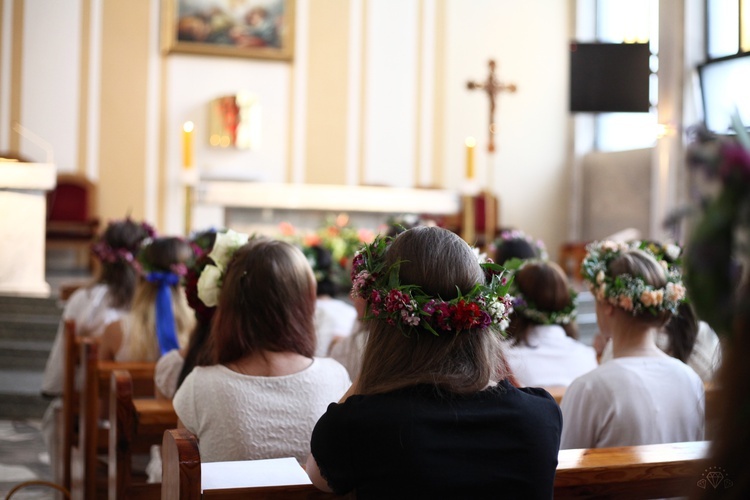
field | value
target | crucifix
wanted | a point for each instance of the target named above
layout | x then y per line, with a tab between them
492	86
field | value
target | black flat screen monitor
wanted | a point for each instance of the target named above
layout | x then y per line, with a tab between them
725	89
609	77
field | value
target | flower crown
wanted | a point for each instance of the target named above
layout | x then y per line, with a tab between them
630	292
106	253
212	276
146	267
530	310
517	234
411	309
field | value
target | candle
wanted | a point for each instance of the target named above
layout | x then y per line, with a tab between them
470	144
187	145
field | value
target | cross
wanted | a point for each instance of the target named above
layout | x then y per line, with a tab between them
492	86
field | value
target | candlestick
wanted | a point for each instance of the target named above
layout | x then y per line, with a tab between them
187	145
470	144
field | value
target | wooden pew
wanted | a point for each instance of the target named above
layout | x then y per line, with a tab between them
93	435
70	403
135	425
181	476
630	472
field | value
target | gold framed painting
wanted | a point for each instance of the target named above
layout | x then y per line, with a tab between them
261	29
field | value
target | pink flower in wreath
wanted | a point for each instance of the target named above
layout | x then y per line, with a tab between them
396	300
625	302
675	292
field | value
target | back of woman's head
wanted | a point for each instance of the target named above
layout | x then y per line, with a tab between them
117	249
166	254
266	303
640	264
544	298
442	265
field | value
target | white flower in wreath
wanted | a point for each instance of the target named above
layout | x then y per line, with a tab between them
212	276
672	251
209	285
225	246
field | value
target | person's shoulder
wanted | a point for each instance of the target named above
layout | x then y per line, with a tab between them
331	368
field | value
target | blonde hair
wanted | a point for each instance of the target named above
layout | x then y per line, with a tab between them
640	264
142	343
441	264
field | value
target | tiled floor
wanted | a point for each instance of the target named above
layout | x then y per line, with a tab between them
23	457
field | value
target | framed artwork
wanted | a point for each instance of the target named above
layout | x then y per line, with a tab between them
261	29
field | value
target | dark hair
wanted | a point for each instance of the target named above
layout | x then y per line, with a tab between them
682	331
198	351
442	264
517	248
120	276
161	254
267	302
544	285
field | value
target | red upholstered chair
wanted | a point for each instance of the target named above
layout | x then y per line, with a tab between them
71	214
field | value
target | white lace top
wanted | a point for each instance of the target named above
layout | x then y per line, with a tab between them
244	417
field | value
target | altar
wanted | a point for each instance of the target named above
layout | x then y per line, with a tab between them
261	207
22	226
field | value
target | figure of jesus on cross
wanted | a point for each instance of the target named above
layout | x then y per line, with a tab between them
492	86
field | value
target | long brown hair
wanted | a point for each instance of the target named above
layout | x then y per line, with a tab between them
267	302
545	285
441	264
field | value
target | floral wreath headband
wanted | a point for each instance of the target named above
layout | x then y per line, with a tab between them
628	292
212	276
517	234
106	253
530	310
411	309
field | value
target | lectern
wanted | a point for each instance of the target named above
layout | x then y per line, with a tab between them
22	219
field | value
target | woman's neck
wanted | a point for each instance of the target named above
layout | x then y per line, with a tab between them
270	364
631	341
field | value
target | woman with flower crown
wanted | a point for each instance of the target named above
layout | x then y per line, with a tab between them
432	414
107	298
160	319
544	351
265	390
685	336
642	395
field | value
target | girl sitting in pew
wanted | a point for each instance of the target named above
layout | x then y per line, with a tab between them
106	299
429	417
266	389
174	366
160	319
543	349
642	395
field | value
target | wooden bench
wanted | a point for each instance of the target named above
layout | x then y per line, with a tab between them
135	425
630	472
91	438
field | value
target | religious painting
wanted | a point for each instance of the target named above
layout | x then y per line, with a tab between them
241	28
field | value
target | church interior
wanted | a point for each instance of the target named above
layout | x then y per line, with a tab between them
357	113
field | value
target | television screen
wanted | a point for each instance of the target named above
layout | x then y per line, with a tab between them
725	88
609	77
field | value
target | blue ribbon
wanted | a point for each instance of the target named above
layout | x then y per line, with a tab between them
165	325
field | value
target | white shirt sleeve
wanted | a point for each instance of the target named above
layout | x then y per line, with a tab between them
185	405
167	372
583	410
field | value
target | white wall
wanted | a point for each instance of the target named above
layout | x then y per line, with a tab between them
528	170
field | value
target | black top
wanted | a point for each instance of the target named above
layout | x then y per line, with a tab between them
417	443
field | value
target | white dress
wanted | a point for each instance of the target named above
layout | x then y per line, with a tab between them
551	358
333	318
89	308
705	358
167	372
244	417
631	401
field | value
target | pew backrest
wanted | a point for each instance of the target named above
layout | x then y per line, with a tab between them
135	425
630	472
